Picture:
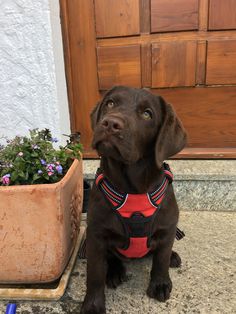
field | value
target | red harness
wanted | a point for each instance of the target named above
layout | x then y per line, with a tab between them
136	213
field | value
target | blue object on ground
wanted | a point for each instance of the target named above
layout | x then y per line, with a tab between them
11	308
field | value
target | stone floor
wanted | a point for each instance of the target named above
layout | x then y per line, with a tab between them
204	284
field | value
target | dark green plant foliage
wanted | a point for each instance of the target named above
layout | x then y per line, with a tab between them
34	160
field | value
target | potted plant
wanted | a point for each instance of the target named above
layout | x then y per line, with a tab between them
40	206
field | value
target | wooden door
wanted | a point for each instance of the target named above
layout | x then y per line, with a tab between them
184	50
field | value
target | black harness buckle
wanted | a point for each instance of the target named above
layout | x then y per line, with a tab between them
138	225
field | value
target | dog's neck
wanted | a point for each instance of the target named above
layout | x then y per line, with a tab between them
139	177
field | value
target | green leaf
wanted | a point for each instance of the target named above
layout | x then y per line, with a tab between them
34	154
36	177
14	176
21	174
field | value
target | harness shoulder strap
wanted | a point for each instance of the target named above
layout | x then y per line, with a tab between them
157	195
115	198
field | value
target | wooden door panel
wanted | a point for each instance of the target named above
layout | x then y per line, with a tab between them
116	18
173	64
119	65
174	15
222	14
208	114
221	62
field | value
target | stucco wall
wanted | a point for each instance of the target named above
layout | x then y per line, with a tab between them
32	76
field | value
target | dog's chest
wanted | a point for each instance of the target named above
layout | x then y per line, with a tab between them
136	213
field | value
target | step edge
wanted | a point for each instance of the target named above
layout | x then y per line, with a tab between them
186	170
91	177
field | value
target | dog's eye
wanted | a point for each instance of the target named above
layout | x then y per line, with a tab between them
147	114
110	104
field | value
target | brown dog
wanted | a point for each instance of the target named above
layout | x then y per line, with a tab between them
134	132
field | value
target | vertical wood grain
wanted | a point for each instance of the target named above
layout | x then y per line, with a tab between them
173	64
146	65
222	14
203	15
116	18
83	67
145	16
201	63
68	62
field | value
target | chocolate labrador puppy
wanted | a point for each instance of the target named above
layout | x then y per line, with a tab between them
132	208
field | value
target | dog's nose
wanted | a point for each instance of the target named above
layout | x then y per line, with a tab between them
112	124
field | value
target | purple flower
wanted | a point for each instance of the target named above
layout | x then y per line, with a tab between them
50	173
59	169
40	172
50	167
43	162
54	140
6	179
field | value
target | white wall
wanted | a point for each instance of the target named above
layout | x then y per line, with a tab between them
32	76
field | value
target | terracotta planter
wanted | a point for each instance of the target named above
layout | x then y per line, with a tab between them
39	225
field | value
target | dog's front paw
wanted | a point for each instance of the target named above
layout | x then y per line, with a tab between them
160	289
93	305
116	274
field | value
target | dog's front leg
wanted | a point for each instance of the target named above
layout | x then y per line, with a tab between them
94	302
160	285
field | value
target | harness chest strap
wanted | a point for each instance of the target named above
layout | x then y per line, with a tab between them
136	212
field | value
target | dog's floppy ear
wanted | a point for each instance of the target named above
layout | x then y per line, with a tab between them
94	116
171	137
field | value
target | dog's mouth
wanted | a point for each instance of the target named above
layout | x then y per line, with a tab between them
107	149
116	147
107	145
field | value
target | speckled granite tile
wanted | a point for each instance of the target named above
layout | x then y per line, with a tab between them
204	284
185	169
206	195
203	169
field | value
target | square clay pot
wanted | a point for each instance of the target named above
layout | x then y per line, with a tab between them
39	225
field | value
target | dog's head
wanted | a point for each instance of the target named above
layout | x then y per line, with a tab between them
130	124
